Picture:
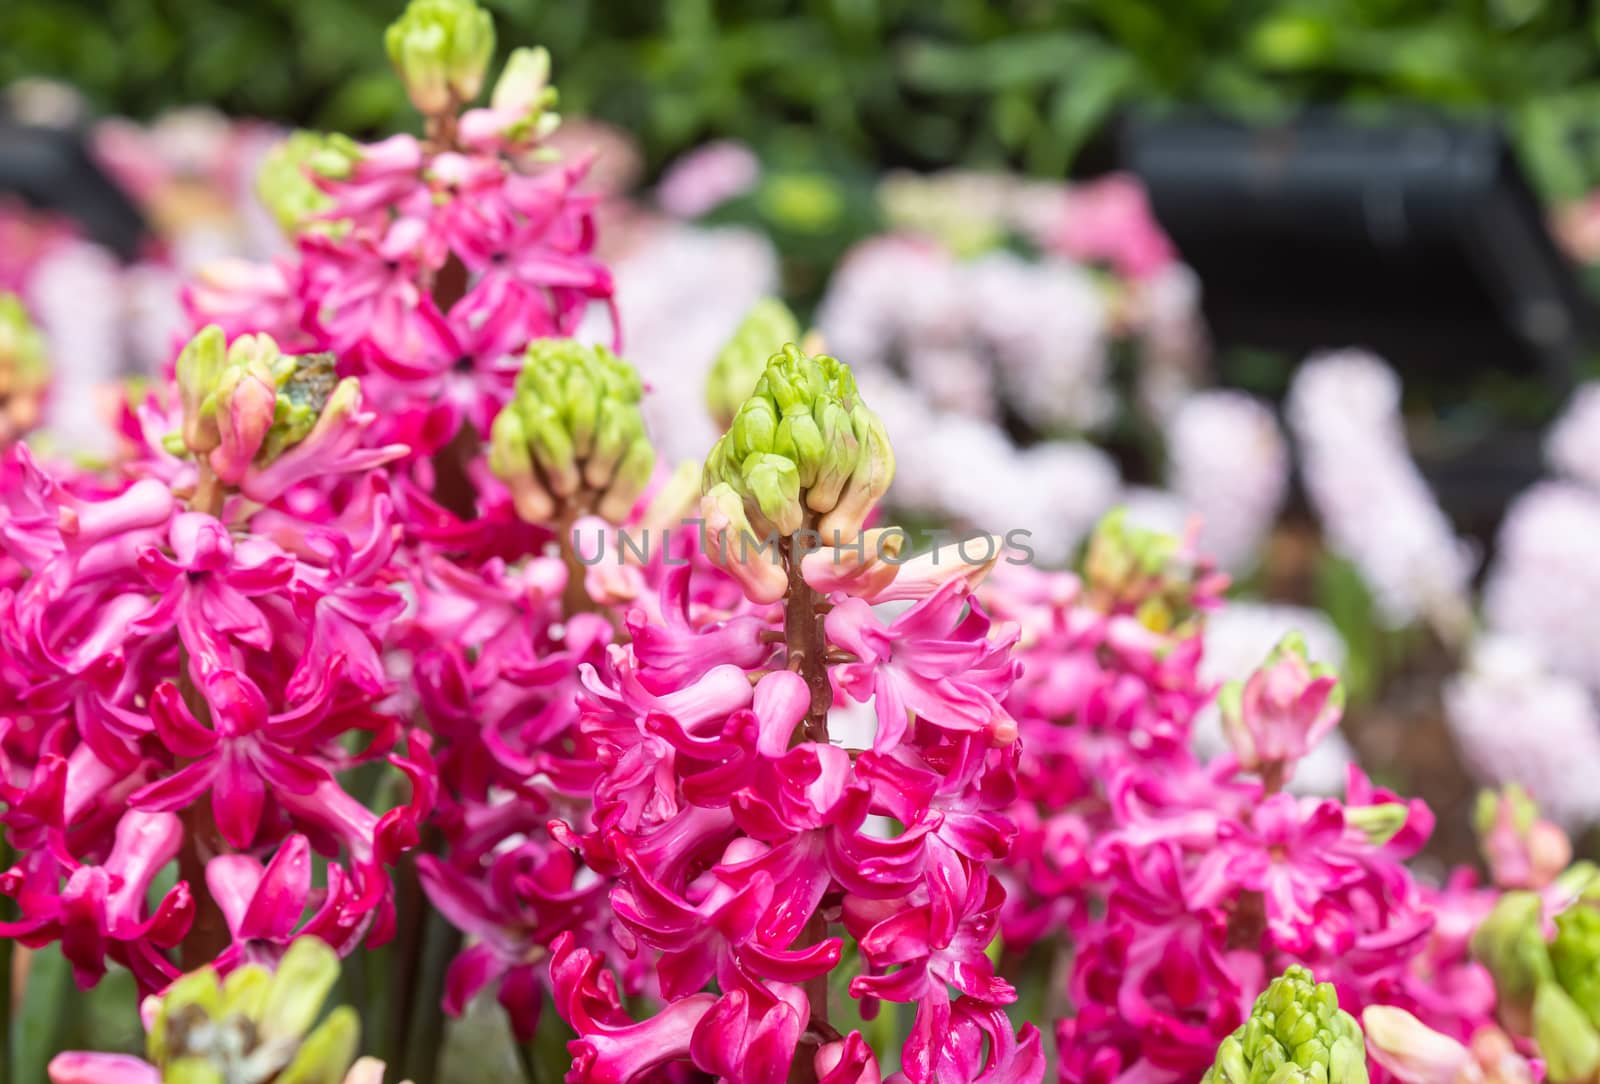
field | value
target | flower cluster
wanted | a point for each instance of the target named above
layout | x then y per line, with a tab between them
1181	883
743	817
387	604
167	655
1376	509
425	264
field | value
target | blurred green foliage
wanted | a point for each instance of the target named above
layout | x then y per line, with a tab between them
887	82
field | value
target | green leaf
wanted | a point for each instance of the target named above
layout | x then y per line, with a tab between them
38	1030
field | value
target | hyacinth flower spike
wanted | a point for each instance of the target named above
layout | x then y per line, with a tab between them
734	814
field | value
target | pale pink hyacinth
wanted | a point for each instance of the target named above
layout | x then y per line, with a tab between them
1516	721
1048	328
1229	464
77	294
903	305
1543	584
1374	506
968	471
707	177
1572	444
1174	344
681	292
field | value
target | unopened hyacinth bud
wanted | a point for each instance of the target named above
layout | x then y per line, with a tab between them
1566	1036
252	1027
1521	849
804	448
1575	956
521	110
1510	942
199	370
1285	708
1414	1053
284	183
524	89
441	48
573	435
766	327
1149	572
1295	1034
247	403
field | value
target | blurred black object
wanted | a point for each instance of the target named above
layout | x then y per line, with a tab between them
1416	238
50	168
1419	239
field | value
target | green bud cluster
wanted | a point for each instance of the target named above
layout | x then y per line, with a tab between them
22	354
1549	988
573	432
256	1025
802	445
441	49
253	393
284	183
1295	1034
766	327
1130	567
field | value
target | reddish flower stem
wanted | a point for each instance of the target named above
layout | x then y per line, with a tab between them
807	644
202	841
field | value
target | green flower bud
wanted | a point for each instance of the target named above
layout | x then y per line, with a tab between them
22	353
327	1052
765	328
1511	945
1122	557
246	404
1295	1034
23	370
1486	811
573	433
804	445
1566	1036
1150	574
441	49
524	90
1575	952
284	183
512	462
199	371
257	1025
1378	823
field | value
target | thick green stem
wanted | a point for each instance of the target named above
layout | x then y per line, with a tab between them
424	1039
